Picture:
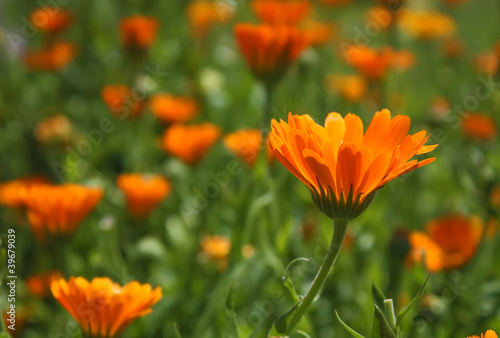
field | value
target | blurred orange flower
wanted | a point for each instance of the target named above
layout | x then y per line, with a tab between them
109	307
203	14
51	20
288	12
488	334
121	102
487	63
246	144
143	192
370	63
138	32
190	143
269	50
56	56
351	87
319	33
13	193
59	209
57	128
342	167
216	248
172	109
334	2
39	284
426	25
495	197
479	126
440	107
449	242
454	48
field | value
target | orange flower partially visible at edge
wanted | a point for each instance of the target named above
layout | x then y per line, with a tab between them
59	209
53	57
190	143
287	12
13	193
138	32
110	307
172	109
143	192
449	242
343	167
120	101
50	19
488	334
246	144
39	284
479	126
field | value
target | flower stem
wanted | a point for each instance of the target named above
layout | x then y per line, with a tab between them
339	230
266	116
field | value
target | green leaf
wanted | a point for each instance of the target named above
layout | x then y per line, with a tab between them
281	324
413	302
176	331
231	317
380	326
287	281
351	331
378	295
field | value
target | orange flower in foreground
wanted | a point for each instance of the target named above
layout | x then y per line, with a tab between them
143	192
138	32
479	126
203	14
449	242
351	87
104	309
51	20
54	129
426	25
120	101
269	50
54	57
39	284
488	334
343	167
246	144
59	209
172	109
190	143
370	63
13	193
288	12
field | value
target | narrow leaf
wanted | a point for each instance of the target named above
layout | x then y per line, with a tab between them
287	281
413	302
351	331
231	322
378	295
380	326
281	324
176	331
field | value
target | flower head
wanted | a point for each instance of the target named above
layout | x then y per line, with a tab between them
190	143
56	56
216	249
426	25
370	63
172	109
487	63
449	242
39	284
110	308
319	33
488	334
203	14
479	126
55	128
143	192
59	209
120	101
269	50
51	20
138	32
13	193
342	166
246	144
287	12
351	87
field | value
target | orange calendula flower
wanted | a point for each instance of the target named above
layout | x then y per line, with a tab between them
351	87
59	209
109	307
319	33
57	128
143	192
479	126
269	50
121	102
13	193
495	197
39	284
190	143
138	32
51	20
427	25
203	14
370	63
54	57
487	63
216	249
287	12
343	167
488	334
172	109
246	144
449	242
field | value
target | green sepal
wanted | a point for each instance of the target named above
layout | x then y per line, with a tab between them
348	329
380	326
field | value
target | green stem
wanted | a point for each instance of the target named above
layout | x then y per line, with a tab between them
339	230
266	116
